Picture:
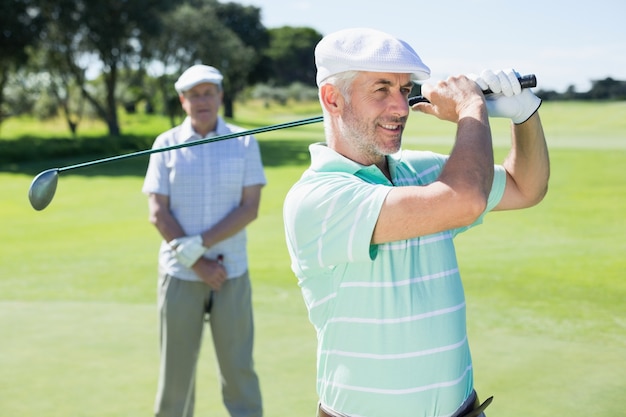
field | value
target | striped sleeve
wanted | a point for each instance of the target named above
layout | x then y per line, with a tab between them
330	219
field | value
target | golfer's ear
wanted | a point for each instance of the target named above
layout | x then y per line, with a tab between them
330	98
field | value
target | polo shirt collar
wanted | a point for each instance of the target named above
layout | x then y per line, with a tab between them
325	159
188	133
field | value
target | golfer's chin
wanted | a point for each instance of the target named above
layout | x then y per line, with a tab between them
391	146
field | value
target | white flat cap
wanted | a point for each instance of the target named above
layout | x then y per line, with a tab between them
197	74
362	49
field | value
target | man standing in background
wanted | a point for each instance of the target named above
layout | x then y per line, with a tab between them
200	199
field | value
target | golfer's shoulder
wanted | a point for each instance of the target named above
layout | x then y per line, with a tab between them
326	187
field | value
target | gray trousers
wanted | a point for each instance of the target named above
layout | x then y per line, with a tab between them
181	307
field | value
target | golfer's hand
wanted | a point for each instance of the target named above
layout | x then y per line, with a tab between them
452	99
188	249
508	99
211	272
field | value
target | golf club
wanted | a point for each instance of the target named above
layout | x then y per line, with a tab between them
526	81
44	185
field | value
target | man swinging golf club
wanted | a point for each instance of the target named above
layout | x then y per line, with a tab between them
370	226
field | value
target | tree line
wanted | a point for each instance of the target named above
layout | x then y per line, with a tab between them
605	89
138	48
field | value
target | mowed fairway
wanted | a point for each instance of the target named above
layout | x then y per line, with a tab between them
546	286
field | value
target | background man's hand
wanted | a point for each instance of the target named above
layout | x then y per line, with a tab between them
211	272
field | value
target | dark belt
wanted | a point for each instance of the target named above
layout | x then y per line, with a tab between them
473	408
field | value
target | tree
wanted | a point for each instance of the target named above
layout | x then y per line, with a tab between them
205	31
21	22
291	53
245	66
105	33
59	89
192	33
607	89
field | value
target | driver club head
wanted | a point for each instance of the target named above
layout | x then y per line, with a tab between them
42	189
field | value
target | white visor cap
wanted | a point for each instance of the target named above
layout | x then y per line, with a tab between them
362	49
198	74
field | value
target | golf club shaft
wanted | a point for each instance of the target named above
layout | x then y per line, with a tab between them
526	81
302	122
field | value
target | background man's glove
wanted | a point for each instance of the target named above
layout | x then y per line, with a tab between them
508	99
188	249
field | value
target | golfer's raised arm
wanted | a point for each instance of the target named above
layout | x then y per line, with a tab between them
527	166
460	194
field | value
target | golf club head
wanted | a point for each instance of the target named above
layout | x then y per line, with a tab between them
42	189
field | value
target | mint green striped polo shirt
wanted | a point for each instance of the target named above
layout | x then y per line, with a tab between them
390	318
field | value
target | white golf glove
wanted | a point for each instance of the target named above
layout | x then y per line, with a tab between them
188	249
508	99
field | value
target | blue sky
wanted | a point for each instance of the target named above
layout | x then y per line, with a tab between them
562	42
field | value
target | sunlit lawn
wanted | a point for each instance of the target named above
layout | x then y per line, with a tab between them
545	286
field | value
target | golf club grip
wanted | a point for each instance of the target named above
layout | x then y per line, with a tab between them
526	81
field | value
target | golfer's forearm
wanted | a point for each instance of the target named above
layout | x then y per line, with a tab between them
470	166
528	161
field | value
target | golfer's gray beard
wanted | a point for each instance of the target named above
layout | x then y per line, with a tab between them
361	135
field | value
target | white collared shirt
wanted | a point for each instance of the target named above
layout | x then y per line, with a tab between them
204	184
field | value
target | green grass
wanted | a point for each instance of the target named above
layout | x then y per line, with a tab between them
545	286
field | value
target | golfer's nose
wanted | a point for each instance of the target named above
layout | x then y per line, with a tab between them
399	104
